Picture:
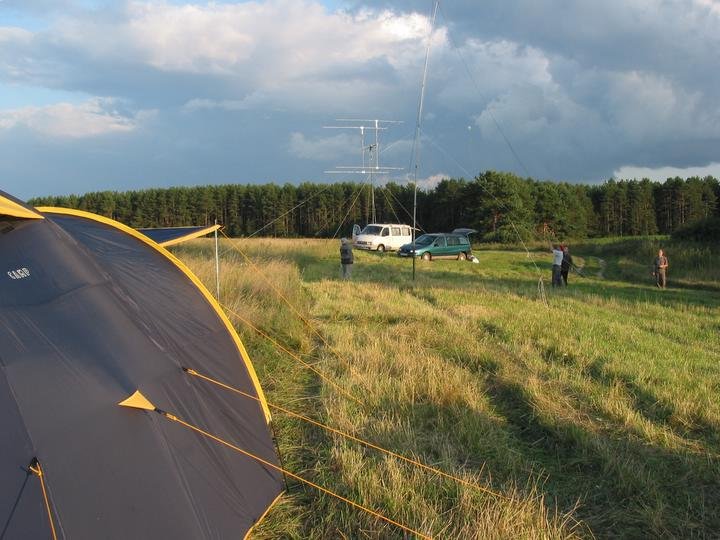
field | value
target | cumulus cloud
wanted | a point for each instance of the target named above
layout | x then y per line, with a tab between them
91	118
275	53
579	90
431	181
663	173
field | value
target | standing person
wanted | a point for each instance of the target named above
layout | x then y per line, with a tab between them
346	257
660	269
566	264
557	262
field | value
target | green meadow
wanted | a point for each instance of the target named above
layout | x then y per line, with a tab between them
591	411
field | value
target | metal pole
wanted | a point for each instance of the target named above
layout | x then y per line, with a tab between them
414	221
217	266
362	144
416	150
372	191
377	166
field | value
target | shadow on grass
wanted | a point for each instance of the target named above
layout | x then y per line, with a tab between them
644	401
651	407
627	488
583	287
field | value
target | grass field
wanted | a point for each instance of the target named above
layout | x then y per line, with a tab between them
594	415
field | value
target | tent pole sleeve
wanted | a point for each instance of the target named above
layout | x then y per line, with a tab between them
217	265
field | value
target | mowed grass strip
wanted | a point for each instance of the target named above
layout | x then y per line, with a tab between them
593	415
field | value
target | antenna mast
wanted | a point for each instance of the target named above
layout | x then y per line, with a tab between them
371	166
418	124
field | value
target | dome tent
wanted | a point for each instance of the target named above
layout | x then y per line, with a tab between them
91	311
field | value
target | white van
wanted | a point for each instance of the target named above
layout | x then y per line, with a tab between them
382	236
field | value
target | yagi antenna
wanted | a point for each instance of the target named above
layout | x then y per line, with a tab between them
383	168
374	120
371	166
355	127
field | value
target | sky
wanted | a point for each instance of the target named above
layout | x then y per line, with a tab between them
117	95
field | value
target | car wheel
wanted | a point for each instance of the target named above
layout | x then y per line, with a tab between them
426	256
462	256
381	248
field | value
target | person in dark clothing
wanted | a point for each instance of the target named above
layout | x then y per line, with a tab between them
346	257
660	269
566	264
557	262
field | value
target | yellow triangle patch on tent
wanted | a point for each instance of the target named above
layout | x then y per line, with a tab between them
137	401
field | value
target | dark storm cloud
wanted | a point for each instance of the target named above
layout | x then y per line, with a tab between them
638	79
239	92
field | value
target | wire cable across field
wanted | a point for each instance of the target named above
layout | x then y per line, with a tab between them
291	306
292	355
414	462
266	463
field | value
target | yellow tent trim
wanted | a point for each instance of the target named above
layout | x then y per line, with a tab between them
13	209
191	236
261	518
177	262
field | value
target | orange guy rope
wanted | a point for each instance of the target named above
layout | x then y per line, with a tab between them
282	296
37	470
292	355
194	373
288	473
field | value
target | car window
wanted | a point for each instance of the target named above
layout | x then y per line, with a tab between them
464	240
424	240
453	241
386	231
372	229
406	231
440	241
396	231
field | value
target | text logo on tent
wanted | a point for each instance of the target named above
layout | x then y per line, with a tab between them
19	273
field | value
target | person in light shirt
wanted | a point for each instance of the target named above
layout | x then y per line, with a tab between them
660	266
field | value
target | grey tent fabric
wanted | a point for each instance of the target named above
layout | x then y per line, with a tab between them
98	315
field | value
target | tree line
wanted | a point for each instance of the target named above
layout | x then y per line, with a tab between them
499	205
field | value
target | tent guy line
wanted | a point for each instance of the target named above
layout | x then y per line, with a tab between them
284	298
36	469
138	401
414	462
292	355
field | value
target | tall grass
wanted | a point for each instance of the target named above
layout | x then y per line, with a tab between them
595	415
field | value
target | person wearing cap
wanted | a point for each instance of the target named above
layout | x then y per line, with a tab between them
346	257
556	268
660	269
